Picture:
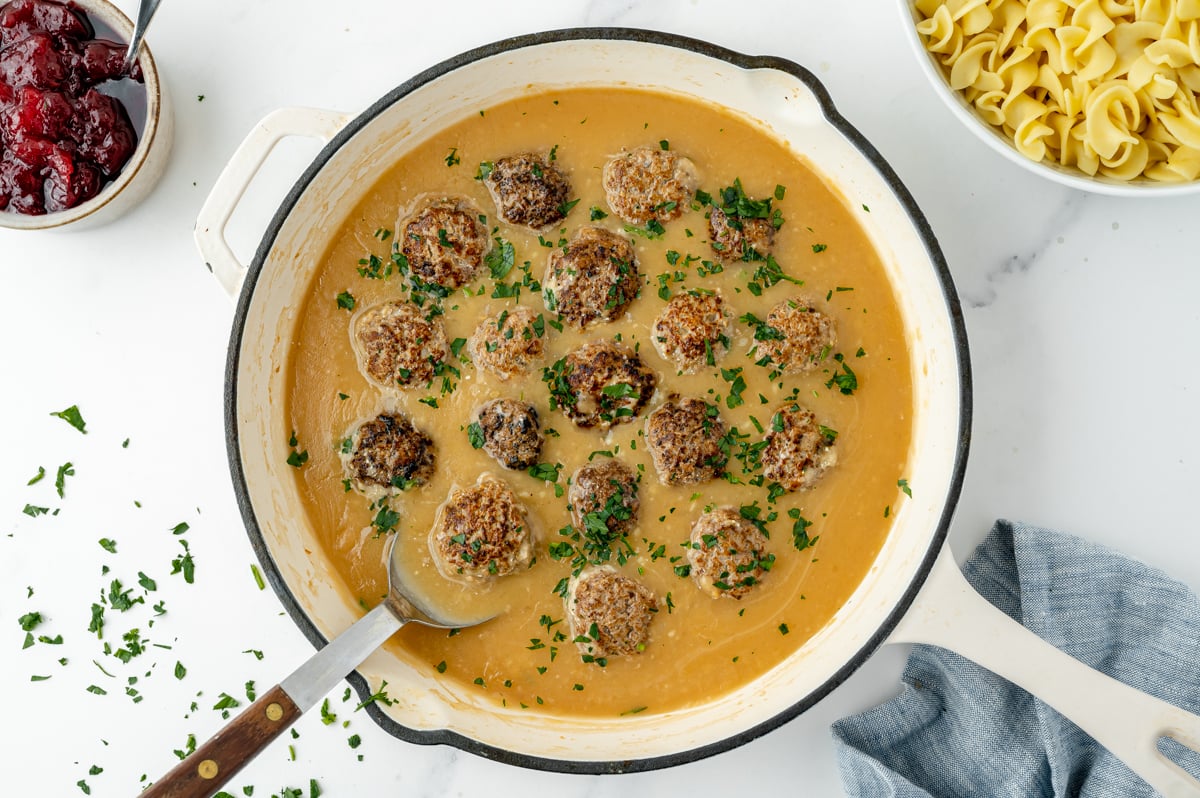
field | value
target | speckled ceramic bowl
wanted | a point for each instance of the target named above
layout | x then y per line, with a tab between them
149	159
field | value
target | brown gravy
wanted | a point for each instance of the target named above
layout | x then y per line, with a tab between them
699	646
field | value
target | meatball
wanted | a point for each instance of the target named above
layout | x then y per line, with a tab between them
508	344
600	384
510	432
605	494
799	337
685	437
649	183
444	241
734	238
387	454
481	532
398	346
609	614
799	450
693	330
529	190
728	553
594	278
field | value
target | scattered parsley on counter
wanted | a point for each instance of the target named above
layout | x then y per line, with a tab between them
65	470
72	416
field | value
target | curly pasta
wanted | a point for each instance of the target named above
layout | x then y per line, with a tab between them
1108	87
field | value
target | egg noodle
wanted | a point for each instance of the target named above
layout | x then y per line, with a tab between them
1105	86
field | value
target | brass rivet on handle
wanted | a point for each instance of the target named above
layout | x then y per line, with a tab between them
274	711
207	769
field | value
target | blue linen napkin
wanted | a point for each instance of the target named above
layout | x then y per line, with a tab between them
959	730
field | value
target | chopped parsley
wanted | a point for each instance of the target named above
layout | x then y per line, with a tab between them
475	435
844	380
72	416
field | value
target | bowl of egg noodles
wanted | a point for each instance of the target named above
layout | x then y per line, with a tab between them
1099	95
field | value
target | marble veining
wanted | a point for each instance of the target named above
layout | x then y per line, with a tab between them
1083	327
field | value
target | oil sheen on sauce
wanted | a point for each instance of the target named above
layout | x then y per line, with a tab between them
699	646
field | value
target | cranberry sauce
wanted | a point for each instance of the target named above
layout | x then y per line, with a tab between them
61	137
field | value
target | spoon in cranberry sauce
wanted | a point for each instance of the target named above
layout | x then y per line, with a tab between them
145	13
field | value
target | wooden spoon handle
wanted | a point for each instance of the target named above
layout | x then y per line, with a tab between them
206	769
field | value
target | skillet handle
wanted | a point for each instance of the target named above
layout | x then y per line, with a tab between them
231	185
949	613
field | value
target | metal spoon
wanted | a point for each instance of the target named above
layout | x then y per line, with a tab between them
145	13
212	764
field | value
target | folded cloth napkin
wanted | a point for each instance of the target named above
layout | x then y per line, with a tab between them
959	730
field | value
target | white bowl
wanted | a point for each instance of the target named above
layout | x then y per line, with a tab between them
149	159
994	138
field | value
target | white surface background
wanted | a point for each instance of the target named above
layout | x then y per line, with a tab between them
1082	316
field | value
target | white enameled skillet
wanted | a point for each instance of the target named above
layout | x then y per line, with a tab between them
913	592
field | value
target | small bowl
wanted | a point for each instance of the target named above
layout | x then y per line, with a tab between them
994	138
149	159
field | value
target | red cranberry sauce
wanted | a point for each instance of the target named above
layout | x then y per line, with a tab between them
61	139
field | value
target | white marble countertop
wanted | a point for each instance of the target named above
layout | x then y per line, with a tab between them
1081	310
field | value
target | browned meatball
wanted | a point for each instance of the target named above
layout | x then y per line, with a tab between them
481	532
693	330
594	278
649	183
799	450
529	190
508	344
444	241
728	554
604	495
387	454
685	439
799	337
510	432
397	346
609	614
600	384
736	239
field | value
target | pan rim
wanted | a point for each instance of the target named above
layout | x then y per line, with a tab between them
923	230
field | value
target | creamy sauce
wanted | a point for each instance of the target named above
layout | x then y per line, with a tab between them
699	646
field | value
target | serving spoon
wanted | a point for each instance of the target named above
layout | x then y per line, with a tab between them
145	13
212	764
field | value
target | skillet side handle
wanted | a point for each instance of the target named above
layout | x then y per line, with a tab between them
949	613
211	765
233	181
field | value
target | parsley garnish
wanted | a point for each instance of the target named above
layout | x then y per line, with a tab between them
846	380
475	435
